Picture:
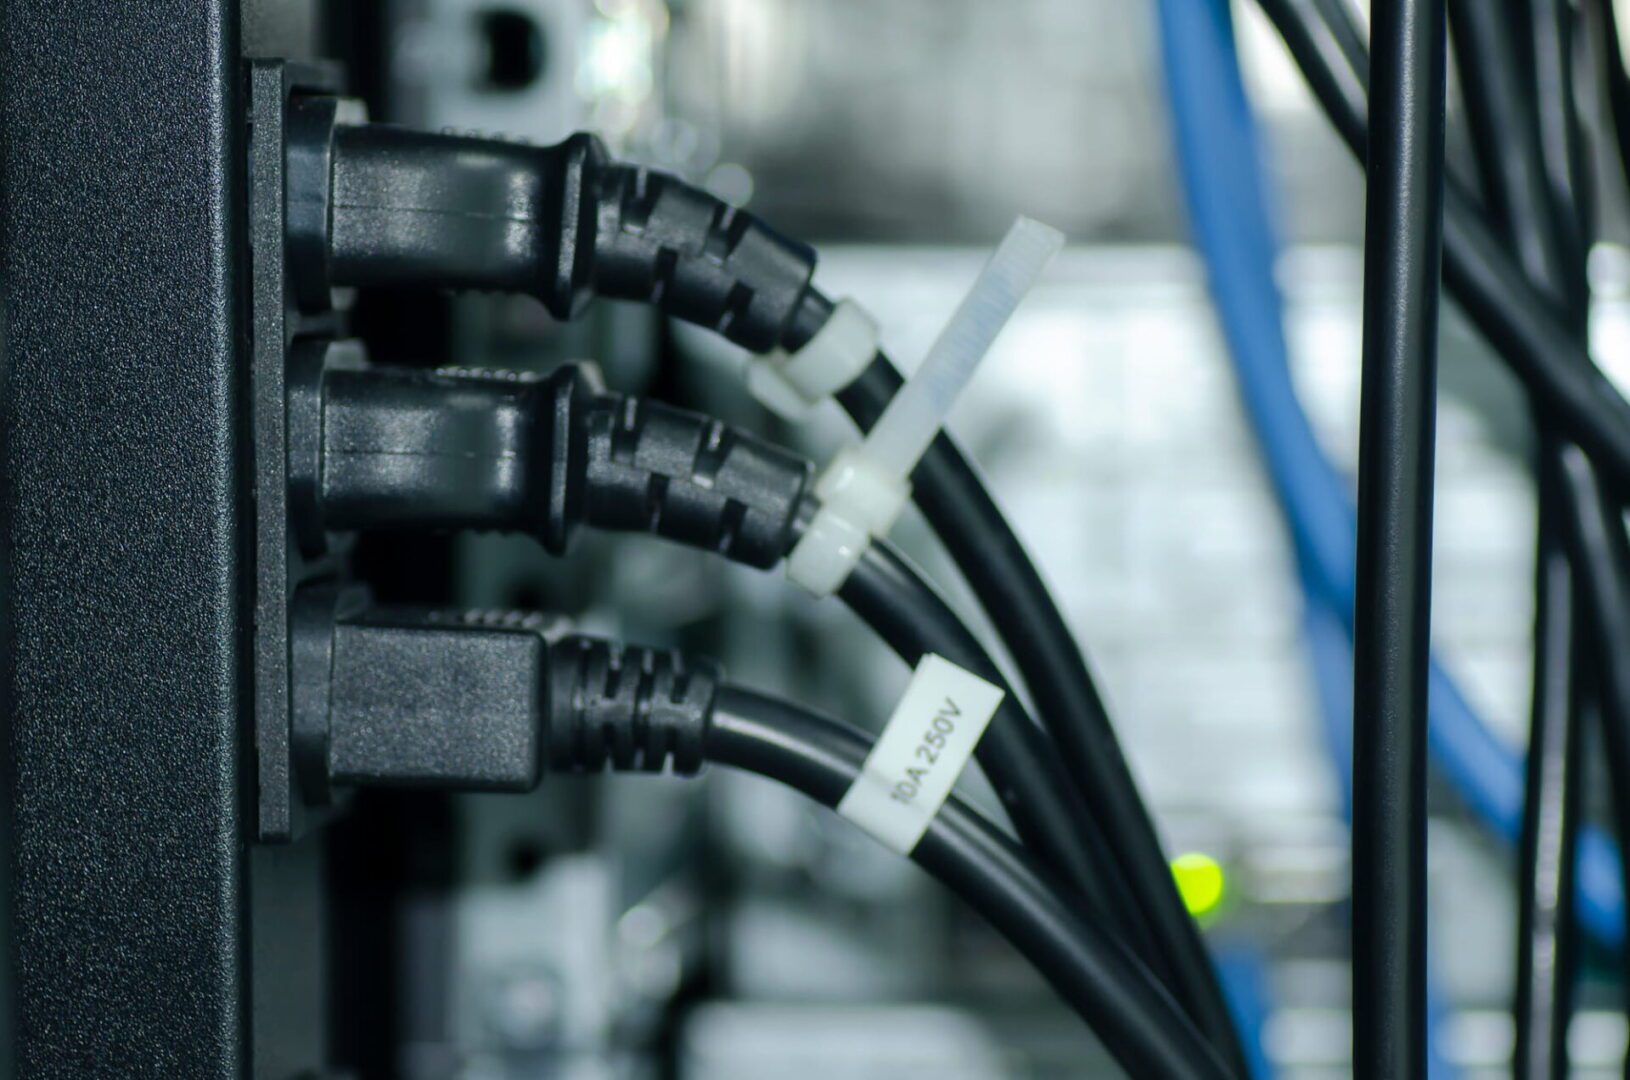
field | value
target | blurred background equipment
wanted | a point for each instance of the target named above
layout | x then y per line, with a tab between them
635	927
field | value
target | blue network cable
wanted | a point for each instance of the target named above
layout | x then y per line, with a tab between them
1220	166
1243	972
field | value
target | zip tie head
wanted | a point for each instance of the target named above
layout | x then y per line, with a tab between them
869	496
859	501
828	551
792	384
866	486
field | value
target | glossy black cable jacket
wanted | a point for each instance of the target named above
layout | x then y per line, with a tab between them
1501	111
1348	32
1595	533
1564	147
1618	82
948	490
1606	572
1599	542
1530	334
1484	280
1131	1013
897	603
1546	928
1334	62
1546	939
1532	192
647	237
1391	625
407	449
1547	915
895	600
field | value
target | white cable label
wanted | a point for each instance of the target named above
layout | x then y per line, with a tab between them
923	749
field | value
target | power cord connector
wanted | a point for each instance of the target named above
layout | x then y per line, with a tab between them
627	708
406	449
484	701
490	701
390	206
398	448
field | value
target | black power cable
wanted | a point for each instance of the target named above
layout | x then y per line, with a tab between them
1618	81
1563	146
1546	933
1480	275
1530	182
405	449
484	701
1599	537
1347	32
1596	514
1547	915
1496	87
1530	334
1391	639
948	490
388	206
896	601
1139	1024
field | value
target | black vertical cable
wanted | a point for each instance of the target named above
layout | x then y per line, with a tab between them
1402	255
1517	92
899	605
1601	535
1494	68
1595	530
1597	533
1563	147
1618	82
1598	553
1545	900
1532	336
1546	919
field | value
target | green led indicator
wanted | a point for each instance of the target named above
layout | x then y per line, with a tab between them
1200	881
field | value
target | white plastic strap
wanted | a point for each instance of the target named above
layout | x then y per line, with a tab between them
920	755
866	487
791	384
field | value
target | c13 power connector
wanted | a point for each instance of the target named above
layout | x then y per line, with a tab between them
397	448
376	205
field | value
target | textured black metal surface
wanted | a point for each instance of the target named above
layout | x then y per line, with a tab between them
123	544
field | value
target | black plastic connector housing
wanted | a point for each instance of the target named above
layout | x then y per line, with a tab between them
409	449
397	207
661	241
419	700
484	701
627	708
447	450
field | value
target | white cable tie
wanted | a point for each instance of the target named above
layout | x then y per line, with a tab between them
865	487
922	752
792	384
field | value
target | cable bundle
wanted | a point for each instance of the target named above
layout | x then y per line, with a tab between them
438	451
1089	895
1514	257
